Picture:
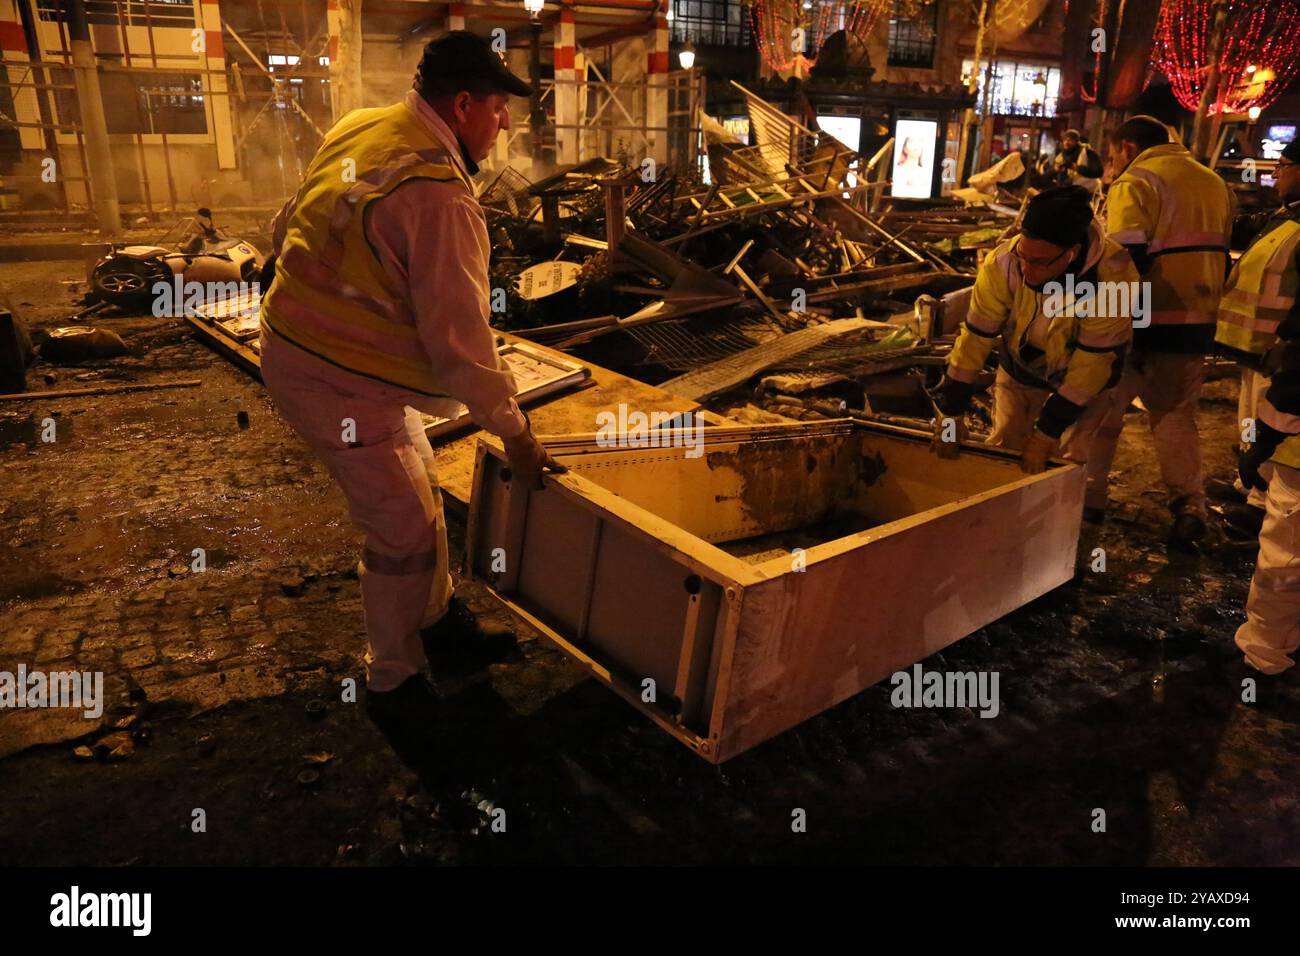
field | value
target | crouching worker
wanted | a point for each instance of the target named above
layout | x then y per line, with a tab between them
1058	299
1259	324
378	310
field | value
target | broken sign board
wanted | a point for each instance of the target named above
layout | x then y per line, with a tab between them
238	315
659	571
536	374
547	278
232	325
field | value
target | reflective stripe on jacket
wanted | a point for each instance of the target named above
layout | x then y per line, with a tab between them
1259	297
1181	212
332	296
1260	292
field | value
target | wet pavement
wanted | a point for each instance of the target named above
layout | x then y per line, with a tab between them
1119	691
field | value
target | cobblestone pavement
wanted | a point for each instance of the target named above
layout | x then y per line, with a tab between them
224	686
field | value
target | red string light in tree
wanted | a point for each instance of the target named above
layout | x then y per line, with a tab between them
1259	57
775	21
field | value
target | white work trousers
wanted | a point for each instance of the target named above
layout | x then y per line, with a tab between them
1253	387
1271	633
1015	412
377	451
1169	385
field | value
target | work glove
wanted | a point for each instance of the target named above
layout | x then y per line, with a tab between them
949	433
1033	460
1267	438
528	458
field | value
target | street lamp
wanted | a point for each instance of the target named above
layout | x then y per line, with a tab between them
686	56
536	115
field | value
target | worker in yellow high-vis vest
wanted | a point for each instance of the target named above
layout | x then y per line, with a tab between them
378	311
1174	216
1259	326
1249	314
1057	302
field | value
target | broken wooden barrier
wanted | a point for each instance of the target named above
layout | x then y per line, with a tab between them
623	562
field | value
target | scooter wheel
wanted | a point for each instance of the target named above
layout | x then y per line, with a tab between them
128	282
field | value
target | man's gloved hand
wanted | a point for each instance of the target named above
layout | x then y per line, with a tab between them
1033	460
949	433
1267	438
528	458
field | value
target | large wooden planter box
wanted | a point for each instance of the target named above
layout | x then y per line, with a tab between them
621	562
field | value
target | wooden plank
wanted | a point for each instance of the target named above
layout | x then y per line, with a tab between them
98	390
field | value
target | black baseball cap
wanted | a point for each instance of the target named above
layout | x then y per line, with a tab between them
467	61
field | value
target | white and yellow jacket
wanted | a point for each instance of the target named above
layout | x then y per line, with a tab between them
1072	345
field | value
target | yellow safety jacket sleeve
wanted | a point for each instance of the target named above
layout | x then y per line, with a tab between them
990	306
1127	220
1095	363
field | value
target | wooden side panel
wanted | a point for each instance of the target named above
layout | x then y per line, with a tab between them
809	640
624	602
555	556
638	611
907	478
734	489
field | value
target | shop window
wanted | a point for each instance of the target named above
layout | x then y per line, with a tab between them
1018	89
913	29
712	22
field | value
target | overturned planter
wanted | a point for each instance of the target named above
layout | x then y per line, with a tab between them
759	576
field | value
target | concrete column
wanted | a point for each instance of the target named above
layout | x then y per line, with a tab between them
657	89
566	93
99	155
343	18
214	58
455	16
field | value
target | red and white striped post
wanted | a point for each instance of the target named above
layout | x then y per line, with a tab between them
566	90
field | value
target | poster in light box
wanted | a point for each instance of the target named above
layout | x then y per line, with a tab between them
914	158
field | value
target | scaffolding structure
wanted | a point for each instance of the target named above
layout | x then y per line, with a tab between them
248	83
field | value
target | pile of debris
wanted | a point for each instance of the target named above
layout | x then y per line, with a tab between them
790	285
791	282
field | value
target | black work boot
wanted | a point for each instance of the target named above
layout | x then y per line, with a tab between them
407	715
1224	491
1189	527
457	642
1246	518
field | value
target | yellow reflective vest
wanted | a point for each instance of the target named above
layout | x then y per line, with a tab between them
1181	211
1083	335
1260	293
1261	289
331	295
